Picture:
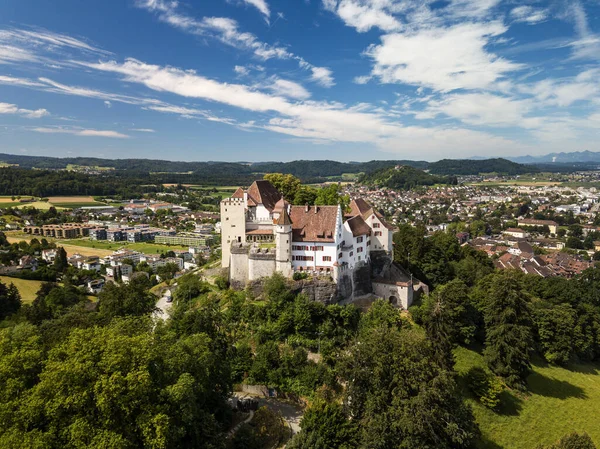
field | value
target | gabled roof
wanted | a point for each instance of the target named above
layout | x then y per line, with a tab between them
239	193
284	218
313	223
358	226
360	207
263	192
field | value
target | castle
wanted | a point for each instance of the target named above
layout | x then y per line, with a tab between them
262	234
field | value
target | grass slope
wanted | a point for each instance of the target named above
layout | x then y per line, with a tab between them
561	401
27	288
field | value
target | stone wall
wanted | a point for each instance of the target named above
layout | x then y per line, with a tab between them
238	269
260	265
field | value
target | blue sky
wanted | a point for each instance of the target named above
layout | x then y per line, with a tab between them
258	80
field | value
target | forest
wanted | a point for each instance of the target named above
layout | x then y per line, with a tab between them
403	178
457	167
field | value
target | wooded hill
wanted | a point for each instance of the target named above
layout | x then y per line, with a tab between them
458	167
403	178
223	172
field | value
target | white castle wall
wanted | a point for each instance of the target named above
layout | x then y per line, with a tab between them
260	266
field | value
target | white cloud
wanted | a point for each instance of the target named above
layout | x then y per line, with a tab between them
241	70
396	15
288	89
10	54
322	76
443	59
13	109
143	130
22	45
563	93
24	82
308	119
227	31
81	132
364	14
479	109
261	5
588	44
529	14
108	104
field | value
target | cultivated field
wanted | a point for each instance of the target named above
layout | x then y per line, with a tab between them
26	288
103	246
517	183
72	202
560	401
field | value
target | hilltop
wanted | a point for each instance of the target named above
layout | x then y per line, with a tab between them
403	178
458	167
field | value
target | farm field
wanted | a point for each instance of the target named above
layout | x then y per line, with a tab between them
148	248
560	401
87	247
517	183
27	288
72	202
41	205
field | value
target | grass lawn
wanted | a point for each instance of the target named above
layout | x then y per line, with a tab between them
148	248
27	288
560	401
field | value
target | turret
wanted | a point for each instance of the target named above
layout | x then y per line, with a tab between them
283	242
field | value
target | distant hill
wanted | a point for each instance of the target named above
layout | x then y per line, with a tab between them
403	178
559	158
306	170
474	167
225	173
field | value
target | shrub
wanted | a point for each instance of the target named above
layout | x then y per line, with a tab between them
299	275
485	386
573	441
221	283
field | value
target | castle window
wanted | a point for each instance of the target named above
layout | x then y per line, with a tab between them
376	225
351	253
326	258
359	239
360	250
340	255
377	233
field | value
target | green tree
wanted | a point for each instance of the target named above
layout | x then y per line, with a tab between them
10	300
122	385
399	396
288	185
190	286
508	328
330	426
555	329
61	262
123	300
305	195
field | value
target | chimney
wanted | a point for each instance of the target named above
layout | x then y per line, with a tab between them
306	208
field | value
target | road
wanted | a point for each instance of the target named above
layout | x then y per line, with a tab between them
162	308
291	413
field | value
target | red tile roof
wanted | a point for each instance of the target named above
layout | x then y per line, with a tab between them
263	192
314	223
284	218
358	226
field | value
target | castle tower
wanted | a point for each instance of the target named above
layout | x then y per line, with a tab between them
283	242
233	224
